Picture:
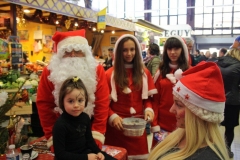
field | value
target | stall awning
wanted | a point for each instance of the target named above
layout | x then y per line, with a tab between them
72	10
147	25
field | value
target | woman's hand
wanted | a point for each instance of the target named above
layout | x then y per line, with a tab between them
148	116
92	156
117	123
100	156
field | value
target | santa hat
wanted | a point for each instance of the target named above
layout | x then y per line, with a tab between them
185	49
236	43
124	36
63	40
201	89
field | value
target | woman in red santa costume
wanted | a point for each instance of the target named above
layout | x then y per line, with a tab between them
73	58
175	56
130	85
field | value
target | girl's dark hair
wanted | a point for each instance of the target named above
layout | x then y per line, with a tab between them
164	68
154	49
120	73
68	86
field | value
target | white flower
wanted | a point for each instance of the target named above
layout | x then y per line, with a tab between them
3	97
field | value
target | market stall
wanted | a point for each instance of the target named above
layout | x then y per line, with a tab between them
147	32
33	49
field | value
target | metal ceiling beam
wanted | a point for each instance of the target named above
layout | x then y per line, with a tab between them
71	10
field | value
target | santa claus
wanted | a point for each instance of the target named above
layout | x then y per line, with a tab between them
73	58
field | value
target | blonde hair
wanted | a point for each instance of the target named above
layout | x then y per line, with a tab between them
197	132
235	53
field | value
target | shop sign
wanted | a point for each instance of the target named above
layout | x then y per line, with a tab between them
16	52
4	50
182	33
183	30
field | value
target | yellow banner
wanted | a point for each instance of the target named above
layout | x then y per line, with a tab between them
103	12
101	21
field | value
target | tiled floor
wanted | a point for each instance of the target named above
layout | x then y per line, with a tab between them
235	145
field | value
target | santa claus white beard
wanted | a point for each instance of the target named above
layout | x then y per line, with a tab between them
64	68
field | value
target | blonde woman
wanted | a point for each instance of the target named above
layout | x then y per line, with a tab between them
230	68
198	110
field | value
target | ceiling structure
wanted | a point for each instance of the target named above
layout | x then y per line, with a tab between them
52	15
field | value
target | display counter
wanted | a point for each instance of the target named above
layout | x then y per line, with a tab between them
121	155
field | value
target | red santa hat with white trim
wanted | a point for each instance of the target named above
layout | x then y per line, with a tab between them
201	89
69	40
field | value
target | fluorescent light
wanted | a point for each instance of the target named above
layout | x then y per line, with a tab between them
26	11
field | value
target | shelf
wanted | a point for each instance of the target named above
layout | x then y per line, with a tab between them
21	109
10	90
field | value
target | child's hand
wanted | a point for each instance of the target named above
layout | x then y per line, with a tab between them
92	156
117	123
100	156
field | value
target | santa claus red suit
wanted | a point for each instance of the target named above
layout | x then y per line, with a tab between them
129	101
64	64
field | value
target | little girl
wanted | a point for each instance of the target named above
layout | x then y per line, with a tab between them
72	137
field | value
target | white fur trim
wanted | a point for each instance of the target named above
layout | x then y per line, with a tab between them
196	100
149	109
155	129
113	86
72	40
133	37
157	74
99	136
58	110
144	86
111	118
178	74
132	111
184	46
200	112
127	90
143	157
151	92
77	47
171	78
